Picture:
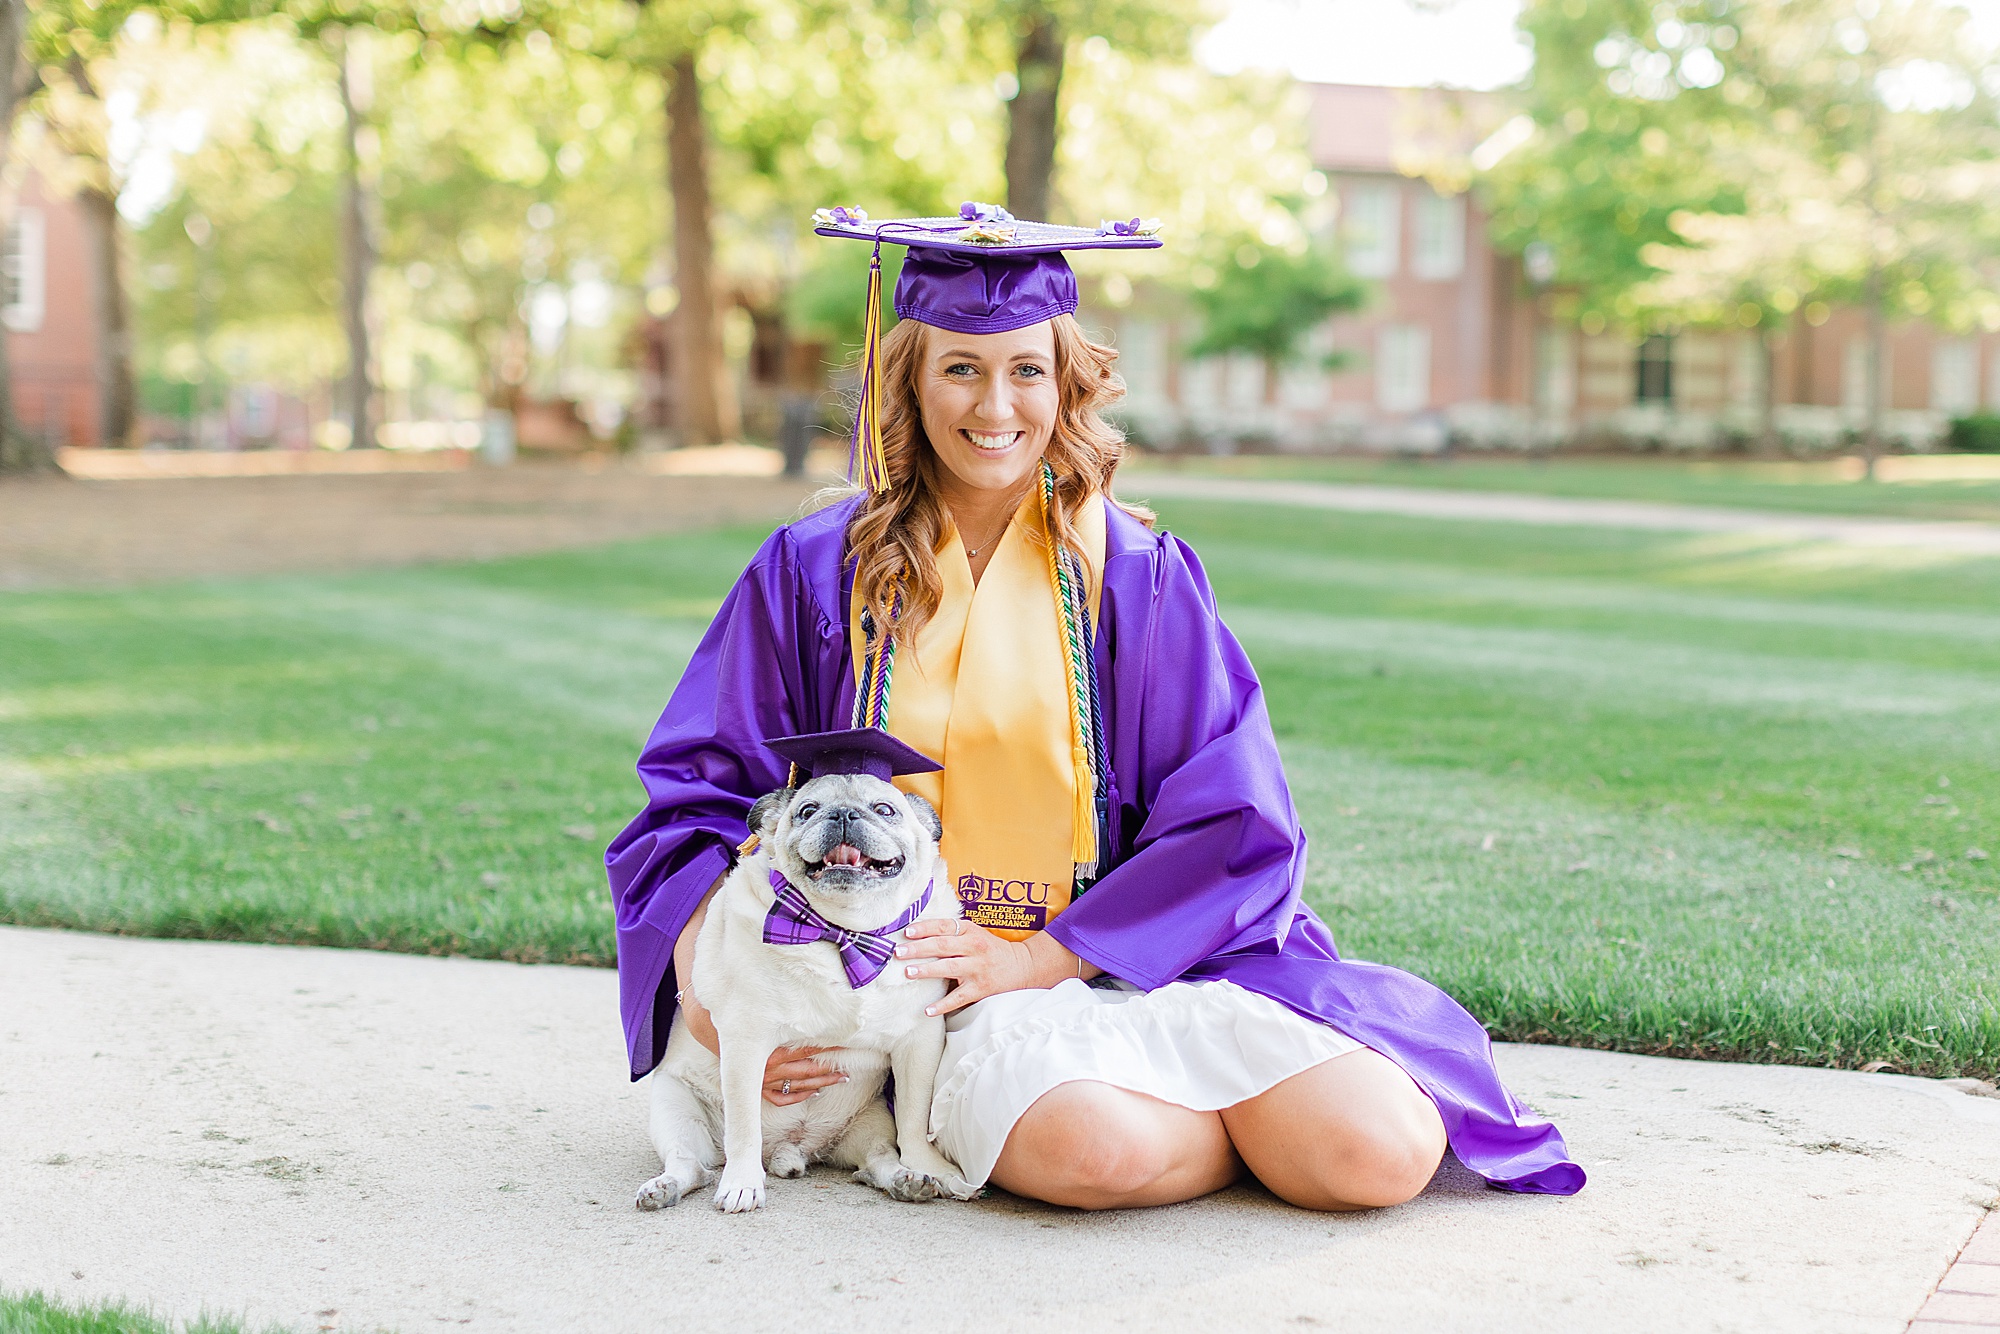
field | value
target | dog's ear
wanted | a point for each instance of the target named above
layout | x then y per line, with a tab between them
928	814
764	815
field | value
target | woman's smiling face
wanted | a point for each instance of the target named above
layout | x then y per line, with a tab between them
989	403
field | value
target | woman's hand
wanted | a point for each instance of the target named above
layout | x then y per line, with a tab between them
791	1075
981	964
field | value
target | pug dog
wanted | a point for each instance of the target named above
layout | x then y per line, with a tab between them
864	856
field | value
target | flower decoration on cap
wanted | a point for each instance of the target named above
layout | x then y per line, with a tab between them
839	216
988	233
1135	227
991	224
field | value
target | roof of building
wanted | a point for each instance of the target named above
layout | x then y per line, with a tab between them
1357	127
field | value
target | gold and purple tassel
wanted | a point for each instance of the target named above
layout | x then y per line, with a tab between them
867	465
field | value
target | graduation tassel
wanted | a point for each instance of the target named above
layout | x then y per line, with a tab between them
867	466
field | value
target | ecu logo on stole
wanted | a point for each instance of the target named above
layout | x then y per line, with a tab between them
1005	905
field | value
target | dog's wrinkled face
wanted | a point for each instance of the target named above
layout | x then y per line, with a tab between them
845	833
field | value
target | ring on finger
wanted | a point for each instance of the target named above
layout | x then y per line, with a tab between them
785	1088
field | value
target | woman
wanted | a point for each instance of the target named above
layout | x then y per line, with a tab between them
1143	1007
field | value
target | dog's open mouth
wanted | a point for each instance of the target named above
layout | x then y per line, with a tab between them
848	859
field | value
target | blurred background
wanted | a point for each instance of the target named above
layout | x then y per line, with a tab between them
440	227
1716	774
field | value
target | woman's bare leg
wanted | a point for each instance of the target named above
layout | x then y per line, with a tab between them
1354	1132
1093	1146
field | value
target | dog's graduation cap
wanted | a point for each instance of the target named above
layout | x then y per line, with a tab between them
859	750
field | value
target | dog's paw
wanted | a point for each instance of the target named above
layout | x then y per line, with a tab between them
913	1187
788	1160
740	1197
662	1192
940	1172
677	1180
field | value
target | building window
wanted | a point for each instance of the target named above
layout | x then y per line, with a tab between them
1403	368
1955	376
1372	228
1656	370
1437	248
1555	374
1854	395
24	271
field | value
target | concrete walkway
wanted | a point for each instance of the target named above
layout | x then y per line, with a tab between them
354	1141
1950	537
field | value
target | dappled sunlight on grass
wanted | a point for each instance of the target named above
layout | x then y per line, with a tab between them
1830	486
160	759
84	702
1738	559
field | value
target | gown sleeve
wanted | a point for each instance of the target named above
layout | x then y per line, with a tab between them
1217	858
752	678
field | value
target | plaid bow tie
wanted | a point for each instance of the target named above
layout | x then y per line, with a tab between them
864	954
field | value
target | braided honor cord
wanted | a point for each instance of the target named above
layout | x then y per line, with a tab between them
878	666
1079	668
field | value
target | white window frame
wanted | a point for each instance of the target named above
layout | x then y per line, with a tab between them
24	271
1955	376
1437	241
1854	373
1555	373
1403	368
1371	228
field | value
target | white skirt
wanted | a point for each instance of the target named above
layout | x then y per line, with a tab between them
1201	1045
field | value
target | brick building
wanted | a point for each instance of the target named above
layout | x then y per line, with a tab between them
1458	345
49	308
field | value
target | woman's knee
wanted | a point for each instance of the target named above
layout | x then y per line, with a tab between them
1381	1166
1355	1133
1086	1145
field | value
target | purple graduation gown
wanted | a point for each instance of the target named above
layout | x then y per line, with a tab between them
1209	857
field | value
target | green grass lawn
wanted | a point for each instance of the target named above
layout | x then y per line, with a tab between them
1660	793
34	1313
1814	488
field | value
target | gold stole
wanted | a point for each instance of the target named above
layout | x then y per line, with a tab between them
985	691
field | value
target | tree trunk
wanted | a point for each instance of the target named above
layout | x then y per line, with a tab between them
357	394
707	409
18	452
1031	118
1871	431
117	394
1767	395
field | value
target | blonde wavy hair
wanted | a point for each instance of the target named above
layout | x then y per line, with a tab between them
895	534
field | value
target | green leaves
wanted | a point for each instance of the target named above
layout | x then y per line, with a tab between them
1267	300
1725	161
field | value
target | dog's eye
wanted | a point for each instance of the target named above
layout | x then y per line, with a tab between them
885	810
807	811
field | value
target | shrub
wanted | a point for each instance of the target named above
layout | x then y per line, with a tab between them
1976	433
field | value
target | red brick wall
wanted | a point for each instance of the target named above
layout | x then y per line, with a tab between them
55	366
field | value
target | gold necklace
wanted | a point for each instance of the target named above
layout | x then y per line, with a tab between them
972	553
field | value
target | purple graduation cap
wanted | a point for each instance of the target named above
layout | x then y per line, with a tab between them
984	271
859	750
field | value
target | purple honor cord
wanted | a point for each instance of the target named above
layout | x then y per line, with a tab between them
864	954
